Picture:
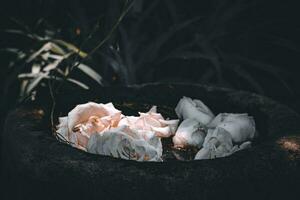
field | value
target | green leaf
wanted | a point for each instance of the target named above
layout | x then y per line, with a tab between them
71	47
28	75
11	50
286	43
84	86
22	33
273	70
90	72
57	49
34	83
246	76
151	52
52	65
189	55
46	47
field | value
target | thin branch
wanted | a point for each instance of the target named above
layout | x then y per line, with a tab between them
112	30
53	105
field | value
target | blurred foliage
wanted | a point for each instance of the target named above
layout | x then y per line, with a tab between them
206	40
48	59
215	42
48	62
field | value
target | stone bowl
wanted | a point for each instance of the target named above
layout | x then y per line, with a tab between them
37	166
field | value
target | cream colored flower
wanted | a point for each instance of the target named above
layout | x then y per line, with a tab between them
189	133
151	121
87	119
225	130
218	143
193	109
240	126
126	143
102	129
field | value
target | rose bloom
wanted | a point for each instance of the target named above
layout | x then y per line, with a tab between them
188	108
85	120
102	129
151	121
223	132
189	134
123	142
240	126
195	115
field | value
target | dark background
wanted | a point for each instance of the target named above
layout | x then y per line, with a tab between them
251	45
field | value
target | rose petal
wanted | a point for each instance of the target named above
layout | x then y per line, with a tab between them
102	129
189	133
87	119
162	131
81	113
218	143
125	143
151	121
172	124
193	109
62	128
240	126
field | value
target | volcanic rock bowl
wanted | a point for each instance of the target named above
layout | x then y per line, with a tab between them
38	166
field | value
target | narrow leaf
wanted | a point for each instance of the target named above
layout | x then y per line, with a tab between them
71	47
34	83
45	47
245	75
151	52
84	86
52	65
90	72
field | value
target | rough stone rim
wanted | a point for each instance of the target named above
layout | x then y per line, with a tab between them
27	143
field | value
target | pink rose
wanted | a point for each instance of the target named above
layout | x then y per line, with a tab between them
151	121
85	120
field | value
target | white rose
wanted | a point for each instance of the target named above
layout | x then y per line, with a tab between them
126	143
85	120
151	121
193	109
218	143
189	133
240	126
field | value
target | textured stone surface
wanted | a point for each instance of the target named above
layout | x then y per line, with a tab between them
38	166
